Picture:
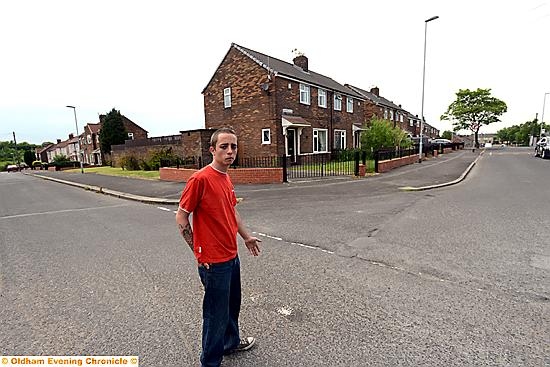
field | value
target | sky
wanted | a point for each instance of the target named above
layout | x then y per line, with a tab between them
152	59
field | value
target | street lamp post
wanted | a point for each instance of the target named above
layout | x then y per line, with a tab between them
542	118
78	137
423	82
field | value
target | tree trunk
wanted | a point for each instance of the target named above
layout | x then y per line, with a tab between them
476	133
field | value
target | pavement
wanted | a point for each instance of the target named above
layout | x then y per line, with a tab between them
436	172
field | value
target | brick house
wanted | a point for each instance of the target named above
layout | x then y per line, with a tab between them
90	139
281	108
382	108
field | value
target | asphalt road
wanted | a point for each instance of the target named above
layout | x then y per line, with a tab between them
348	276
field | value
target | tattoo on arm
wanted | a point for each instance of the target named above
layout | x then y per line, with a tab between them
187	234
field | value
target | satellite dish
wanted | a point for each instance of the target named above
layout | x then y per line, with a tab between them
264	86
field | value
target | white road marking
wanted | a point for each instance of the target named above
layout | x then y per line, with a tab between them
285	311
62	211
294	243
162	208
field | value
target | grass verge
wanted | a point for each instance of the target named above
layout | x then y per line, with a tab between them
113	171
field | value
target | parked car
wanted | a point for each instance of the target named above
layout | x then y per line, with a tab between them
542	148
12	168
441	141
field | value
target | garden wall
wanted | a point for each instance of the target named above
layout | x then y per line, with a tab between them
238	175
385	166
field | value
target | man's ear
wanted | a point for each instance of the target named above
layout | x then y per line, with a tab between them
211	149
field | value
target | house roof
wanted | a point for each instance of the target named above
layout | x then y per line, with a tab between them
44	149
374	98
284	69
94	128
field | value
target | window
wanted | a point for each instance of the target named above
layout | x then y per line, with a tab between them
349	105
304	93
266	136
319	140
227	98
337	102
385	114
400	118
89	139
340	139
391	115
131	136
322	97
411	122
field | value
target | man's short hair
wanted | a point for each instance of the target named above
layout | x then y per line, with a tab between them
223	130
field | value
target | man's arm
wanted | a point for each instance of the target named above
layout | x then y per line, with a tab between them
182	220
250	242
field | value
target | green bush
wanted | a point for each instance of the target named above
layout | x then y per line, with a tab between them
129	162
144	165
164	155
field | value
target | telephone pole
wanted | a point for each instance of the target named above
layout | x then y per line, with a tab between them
16	154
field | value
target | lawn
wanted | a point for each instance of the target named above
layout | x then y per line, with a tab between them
113	171
347	167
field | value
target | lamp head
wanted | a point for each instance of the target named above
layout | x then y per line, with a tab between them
432	18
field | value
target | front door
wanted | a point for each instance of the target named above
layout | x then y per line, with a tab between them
291	144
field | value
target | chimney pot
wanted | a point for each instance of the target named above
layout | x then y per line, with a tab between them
301	61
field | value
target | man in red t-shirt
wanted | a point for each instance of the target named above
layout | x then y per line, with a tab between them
210	196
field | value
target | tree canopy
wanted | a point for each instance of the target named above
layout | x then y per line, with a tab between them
520	134
112	131
473	109
380	134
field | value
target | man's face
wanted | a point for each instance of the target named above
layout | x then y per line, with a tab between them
226	149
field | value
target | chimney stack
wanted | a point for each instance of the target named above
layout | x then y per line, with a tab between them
58	141
71	136
375	91
301	61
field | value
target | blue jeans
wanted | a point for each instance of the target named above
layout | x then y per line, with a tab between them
220	310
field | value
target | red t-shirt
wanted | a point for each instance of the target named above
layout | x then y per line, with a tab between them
210	196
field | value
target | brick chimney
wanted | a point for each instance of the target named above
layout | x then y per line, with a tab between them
375	91
301	61
58	141
71	136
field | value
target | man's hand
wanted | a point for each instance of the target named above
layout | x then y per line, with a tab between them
252	245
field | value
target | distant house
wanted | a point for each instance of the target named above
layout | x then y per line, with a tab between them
383	108
42	153
281	108
90	139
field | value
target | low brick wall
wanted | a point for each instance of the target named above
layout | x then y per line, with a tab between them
238	175
385	166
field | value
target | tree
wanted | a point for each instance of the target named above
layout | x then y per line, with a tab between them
29	157
473	109
380	134
447	135
112	131
520	134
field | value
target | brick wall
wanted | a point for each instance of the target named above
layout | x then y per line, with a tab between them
238	175
385	166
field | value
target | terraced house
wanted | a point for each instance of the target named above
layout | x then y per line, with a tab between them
278	108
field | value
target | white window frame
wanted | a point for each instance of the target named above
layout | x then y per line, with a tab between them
341	138
400	118
89	139
227	97
349	104
391	115
316	144
337	102
411	122
304	94
385	114
131	136
322	98
268	140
